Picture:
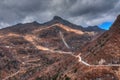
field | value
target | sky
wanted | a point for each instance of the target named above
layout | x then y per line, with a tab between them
105	25
80	12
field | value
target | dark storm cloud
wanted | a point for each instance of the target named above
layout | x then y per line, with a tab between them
94	12
83	12
13	10
84	7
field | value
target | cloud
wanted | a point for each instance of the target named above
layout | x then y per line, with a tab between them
82	12
3	24
94	12
83	7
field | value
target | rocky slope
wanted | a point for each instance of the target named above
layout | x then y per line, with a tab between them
106	48
49	51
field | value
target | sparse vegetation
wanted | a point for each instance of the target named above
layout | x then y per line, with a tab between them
40	52
67	78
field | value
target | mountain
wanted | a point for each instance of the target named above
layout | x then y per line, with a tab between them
20	28
49	34
105	48
94	28
50	51
57	19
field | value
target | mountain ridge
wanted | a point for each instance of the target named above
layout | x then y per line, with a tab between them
57	19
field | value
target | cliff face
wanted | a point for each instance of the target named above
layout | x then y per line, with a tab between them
49	51
106	47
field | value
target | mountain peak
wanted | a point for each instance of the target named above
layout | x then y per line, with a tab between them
116	24
35	22
118	17
117	21
57	18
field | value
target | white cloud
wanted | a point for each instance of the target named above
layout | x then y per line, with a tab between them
2	24
28	19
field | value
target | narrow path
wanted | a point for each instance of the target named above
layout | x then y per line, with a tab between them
11	75
31	38
61	35
22	70
68	29
33	60
80	60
